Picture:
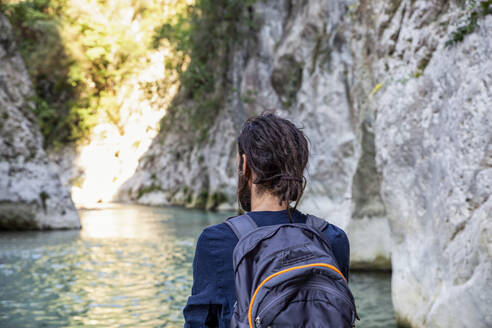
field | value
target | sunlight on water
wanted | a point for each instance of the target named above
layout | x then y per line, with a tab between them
131	266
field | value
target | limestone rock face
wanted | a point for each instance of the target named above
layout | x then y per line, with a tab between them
434	148
31	194
300	63
401	140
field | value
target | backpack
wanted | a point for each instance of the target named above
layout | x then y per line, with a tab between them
286	276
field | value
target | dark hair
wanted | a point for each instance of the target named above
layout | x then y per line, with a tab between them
277	152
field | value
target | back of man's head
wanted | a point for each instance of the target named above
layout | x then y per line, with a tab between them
276	155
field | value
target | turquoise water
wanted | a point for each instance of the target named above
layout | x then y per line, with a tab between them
131	266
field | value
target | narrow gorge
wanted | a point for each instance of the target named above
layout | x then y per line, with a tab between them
394	96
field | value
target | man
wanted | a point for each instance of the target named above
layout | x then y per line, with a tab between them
272	156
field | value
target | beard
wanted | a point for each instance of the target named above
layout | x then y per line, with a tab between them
244	193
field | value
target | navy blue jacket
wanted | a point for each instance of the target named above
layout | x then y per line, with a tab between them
213	293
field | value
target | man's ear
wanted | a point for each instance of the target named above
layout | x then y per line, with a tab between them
244	164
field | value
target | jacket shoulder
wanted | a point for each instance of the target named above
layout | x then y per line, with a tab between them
217	232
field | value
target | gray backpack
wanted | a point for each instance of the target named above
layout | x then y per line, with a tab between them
286	276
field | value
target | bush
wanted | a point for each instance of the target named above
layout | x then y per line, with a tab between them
468	26
79	54
207	32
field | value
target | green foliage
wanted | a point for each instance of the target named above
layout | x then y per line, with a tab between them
215	200
478	10
149	189
418	73
376	89
78	55
178	32
201	200
44	196
207	33
36	29
248	97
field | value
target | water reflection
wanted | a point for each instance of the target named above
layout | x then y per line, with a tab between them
372	292
129	267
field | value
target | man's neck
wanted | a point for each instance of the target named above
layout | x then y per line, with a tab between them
266	202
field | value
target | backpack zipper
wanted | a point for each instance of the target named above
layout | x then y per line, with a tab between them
345	297
329	266
292	290
274	302
258	322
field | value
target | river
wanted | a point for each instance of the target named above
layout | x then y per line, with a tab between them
130	266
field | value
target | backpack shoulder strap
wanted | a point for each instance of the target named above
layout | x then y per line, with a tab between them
241	224
316	222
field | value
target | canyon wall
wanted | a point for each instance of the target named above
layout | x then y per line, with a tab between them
31	193
434	149
298	61
395	99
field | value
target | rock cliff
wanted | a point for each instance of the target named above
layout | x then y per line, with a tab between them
298	61
434	149
31	194
395	98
